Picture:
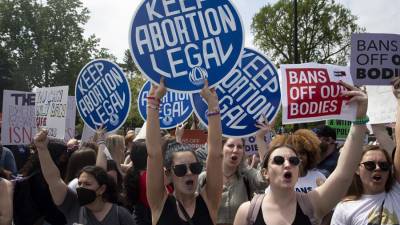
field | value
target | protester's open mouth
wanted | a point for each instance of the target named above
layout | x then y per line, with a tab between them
287	175
234	157
189	182
377	178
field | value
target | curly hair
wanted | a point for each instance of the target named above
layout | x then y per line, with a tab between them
307	141
302	140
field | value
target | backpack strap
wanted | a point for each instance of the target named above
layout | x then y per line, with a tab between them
255	206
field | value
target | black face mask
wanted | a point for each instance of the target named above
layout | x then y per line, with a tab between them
85	196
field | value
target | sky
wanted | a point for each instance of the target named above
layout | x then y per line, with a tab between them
110	20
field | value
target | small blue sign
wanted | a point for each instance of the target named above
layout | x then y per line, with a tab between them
175	107
252	92
103	95
185	41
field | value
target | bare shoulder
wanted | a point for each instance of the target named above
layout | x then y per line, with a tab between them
241	215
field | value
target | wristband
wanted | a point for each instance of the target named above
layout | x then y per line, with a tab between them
213	112
153	98
361	121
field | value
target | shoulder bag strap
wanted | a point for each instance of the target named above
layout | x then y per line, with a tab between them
381	213
255	206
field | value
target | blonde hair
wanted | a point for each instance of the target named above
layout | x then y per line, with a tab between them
116	145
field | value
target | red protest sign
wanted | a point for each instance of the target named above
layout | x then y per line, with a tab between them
311	92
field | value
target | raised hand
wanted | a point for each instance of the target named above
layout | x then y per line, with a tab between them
40	140
357	95
209	95
158	91
264	127
100	134
179	130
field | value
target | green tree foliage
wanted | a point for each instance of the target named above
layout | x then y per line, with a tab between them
6	68
46	42
324	31
136	82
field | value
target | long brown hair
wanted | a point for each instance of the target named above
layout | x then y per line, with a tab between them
356	189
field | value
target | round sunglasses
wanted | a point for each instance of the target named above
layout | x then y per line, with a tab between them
180	170
279	160
371	165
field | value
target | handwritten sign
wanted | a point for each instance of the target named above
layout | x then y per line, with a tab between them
70	120
51	110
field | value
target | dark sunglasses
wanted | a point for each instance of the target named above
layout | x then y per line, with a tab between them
181	169
371	165
279	160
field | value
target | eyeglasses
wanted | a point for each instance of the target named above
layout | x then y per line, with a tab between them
279	160
371	165
181	169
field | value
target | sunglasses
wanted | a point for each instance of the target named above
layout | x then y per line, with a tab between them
180	170
371	165
279	160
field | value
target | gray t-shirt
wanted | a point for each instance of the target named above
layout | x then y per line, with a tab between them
72	211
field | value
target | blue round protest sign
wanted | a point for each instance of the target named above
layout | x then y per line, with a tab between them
185	41
175	108
103	95
251	93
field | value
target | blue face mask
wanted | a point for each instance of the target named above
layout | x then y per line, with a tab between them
85	196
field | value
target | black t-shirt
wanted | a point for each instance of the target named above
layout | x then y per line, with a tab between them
170	214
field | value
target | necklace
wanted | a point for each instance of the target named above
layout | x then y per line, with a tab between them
229	176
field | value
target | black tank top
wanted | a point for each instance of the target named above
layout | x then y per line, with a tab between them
300	219
170	214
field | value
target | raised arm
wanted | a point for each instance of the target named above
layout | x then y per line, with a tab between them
325	197
262	146
58	189
99	137
396	159
213	187
156	192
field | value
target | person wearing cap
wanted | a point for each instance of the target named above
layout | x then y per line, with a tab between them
329	149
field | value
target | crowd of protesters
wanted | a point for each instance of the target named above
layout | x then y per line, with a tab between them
303	177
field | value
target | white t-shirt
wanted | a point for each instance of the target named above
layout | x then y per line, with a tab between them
367	210
73	184
309	182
